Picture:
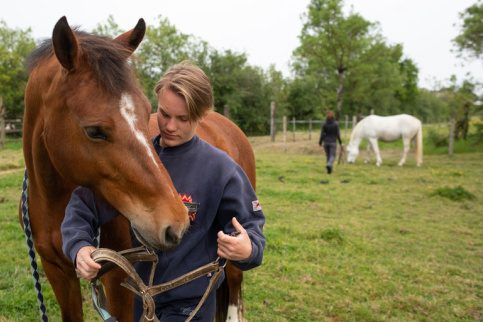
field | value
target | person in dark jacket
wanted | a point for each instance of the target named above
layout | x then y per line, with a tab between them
202	174
329	135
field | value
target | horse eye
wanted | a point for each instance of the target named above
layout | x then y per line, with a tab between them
95	132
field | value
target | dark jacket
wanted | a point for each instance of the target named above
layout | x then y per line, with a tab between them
330	132
204	175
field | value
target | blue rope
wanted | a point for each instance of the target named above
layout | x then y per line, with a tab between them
30	244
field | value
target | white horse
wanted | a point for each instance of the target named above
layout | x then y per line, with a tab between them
387	129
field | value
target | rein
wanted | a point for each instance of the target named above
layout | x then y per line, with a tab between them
30	244
110	259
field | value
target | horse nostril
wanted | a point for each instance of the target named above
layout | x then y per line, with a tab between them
170	237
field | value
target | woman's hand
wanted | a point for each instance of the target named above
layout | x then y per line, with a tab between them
86	266
236	248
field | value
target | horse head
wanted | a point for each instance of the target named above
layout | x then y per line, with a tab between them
352	153
94	126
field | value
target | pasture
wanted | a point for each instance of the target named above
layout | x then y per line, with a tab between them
373	244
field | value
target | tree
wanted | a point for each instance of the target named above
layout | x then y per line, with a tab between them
226	72
243	88
162	47
471	37
470	40
15	46
462	104
408	91
331	42
305	99
109	29
373	83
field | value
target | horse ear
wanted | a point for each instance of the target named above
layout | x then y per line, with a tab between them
132	38
65	44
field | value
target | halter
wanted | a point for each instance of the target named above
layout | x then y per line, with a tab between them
109	259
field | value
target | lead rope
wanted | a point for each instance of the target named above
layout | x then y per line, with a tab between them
99	300
30	244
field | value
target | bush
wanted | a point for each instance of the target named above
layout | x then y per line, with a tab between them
456	194
476	137
437	139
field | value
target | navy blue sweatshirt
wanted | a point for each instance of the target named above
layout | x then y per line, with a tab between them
201	174
330	132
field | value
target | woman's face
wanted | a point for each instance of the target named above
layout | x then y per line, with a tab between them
174	124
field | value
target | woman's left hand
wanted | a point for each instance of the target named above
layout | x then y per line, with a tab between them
236	248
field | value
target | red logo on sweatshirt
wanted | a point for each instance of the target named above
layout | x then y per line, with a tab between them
192	206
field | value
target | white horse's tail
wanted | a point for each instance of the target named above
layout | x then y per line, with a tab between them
418	144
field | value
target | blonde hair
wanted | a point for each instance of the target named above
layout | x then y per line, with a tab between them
189	81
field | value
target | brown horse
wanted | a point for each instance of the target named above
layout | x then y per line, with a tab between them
86	123
225	135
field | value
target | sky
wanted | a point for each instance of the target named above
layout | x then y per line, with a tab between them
267	30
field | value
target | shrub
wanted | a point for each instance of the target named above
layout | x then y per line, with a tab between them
456	194
437	139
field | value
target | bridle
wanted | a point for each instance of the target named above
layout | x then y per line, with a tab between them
110	259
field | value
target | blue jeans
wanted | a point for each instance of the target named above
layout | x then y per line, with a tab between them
330	152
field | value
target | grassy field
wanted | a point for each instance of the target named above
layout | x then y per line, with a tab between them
368	244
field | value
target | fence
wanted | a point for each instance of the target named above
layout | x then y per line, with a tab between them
7	128
304	126
15	127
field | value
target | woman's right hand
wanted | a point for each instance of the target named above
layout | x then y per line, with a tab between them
86	266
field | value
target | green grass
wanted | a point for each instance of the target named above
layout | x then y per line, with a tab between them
381	247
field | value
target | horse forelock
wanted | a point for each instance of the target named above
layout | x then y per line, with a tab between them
106	59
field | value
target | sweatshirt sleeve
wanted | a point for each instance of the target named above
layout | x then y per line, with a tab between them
240	201
81	221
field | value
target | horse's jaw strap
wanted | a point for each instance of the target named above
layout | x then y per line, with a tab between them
110	259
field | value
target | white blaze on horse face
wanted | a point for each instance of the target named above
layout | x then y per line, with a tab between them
127	111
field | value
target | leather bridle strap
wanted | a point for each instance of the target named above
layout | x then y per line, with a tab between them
109	259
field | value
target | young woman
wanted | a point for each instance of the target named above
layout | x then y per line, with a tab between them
208	177
329	134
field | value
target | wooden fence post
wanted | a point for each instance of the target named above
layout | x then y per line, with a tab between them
346	124
310	129
293	128
354	121
372	111
273	126
226	111
451	137
284	134
2	123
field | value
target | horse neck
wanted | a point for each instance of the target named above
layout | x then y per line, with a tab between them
44	179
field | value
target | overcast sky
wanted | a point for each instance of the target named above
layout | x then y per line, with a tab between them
267	30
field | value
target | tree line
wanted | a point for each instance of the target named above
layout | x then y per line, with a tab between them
343	63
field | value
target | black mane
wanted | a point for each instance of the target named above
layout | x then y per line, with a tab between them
106	58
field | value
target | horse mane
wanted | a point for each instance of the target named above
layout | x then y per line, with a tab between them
105	57
354	131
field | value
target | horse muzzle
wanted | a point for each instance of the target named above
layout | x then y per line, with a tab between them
167	240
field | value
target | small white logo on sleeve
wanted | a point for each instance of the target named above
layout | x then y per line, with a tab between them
256	205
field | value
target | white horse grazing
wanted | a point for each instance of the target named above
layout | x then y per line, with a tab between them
387	129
